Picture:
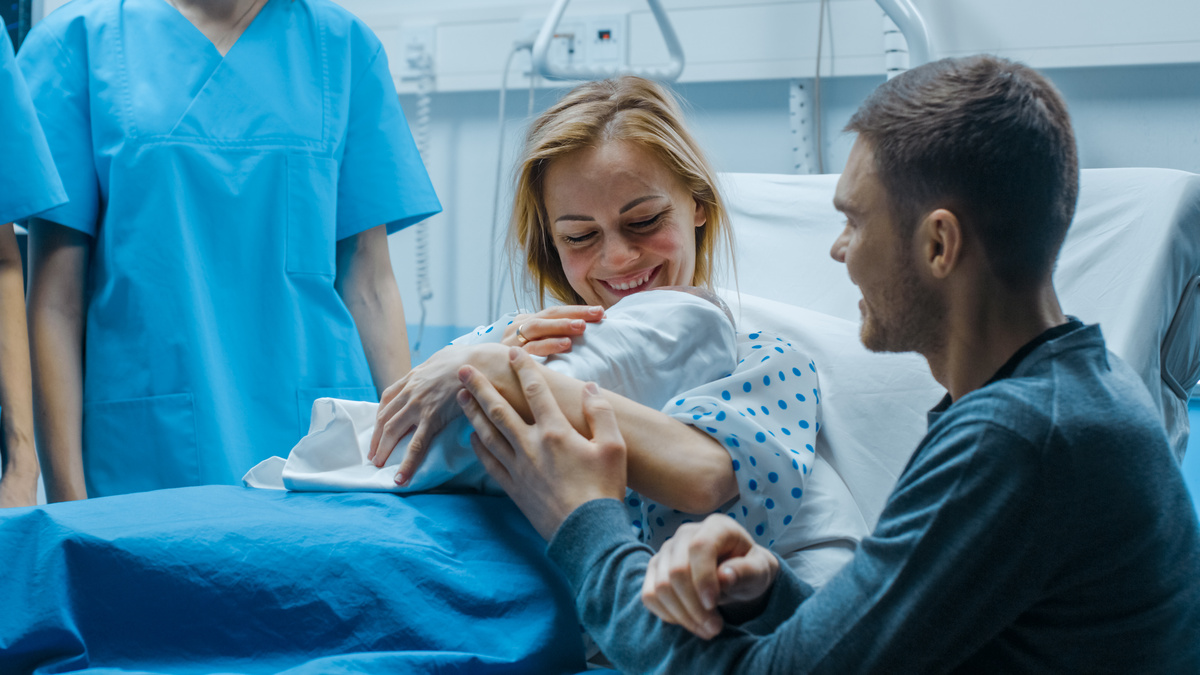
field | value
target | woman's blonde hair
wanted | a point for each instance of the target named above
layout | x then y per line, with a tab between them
630	109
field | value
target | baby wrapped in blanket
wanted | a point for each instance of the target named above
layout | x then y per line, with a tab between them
675	350
649	347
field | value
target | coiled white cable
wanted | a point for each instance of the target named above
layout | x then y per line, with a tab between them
799	107
423	63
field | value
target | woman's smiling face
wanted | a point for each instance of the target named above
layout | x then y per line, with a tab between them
621	222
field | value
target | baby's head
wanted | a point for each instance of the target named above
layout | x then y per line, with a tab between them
703	293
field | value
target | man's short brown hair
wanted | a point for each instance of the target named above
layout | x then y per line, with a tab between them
991	141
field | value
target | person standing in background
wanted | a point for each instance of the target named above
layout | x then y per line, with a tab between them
233	169
29	184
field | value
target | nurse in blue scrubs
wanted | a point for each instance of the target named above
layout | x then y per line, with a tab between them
28	184
233	169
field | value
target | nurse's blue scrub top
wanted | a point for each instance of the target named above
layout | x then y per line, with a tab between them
216	190
29	183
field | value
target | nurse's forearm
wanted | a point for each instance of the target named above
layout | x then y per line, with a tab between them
16	397
56	347
366	283
668	462
58	262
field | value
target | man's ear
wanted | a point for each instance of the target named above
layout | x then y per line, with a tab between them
940	238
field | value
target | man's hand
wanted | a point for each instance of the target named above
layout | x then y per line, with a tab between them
546	466
706	565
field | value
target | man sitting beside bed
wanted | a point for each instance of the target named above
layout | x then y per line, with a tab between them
1042	524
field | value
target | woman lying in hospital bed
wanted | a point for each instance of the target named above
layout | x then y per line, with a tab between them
615	199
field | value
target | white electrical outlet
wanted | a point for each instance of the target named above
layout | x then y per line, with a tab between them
607	44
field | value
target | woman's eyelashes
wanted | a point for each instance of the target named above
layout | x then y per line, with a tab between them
577	239
637	227
647	224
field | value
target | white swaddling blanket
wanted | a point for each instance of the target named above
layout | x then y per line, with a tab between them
333	457
649	347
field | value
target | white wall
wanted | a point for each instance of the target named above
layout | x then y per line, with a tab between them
768	39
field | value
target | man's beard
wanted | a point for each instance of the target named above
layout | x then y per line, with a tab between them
906	317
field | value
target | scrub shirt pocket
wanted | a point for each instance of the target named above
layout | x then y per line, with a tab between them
311	215
141	444
305	398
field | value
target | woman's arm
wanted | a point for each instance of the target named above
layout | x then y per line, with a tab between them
58	267
18	487
367	285
669	462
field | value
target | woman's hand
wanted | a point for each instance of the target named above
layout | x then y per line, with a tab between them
421	402
550	330
705	565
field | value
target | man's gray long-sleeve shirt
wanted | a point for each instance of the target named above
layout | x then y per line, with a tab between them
1042	525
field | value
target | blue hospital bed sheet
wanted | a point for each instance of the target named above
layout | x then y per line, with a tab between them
236	580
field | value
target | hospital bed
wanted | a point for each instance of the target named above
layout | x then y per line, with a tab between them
238	580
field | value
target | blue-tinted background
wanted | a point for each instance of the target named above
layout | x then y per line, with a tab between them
1191	461
11	12
15	14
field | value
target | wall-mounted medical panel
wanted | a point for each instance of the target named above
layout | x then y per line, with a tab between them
730	40
766	41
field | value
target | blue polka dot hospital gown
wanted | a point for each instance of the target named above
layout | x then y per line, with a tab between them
766	414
